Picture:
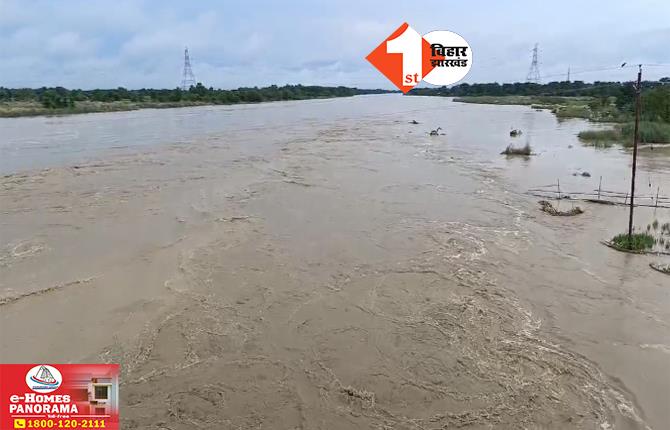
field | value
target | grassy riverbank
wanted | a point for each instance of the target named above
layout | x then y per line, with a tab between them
601	110
61	101
34	108
650	132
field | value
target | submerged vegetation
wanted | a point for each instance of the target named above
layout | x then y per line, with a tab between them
656	236
49	101
650	132
601	138
636	242
562	107
547	207
525	150
663	268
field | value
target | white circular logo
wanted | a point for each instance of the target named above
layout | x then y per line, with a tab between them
44	378
450	55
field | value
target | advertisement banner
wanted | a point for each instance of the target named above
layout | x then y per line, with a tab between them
59	396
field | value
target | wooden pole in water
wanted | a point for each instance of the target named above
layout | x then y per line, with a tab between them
638	89
657	191
600	187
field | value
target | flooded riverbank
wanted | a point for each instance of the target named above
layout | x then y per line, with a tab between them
327	264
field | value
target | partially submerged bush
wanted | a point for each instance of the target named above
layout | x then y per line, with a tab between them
650	132
524	150
637	242
598	136
547	207
573	111
663	268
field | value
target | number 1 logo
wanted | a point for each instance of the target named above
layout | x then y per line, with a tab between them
404	57
409	45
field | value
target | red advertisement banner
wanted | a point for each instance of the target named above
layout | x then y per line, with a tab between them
59	396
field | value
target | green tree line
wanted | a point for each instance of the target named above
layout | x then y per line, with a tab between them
62	98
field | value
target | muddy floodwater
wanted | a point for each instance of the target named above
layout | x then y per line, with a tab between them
326	264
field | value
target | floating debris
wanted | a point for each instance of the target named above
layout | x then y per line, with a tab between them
515	132
57	287
366	397
415	122
602	202
663	268
234	218
547	207
436	131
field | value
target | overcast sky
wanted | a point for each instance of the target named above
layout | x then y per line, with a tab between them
134	44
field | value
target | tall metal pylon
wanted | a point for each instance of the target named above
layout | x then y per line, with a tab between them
188	79
534	71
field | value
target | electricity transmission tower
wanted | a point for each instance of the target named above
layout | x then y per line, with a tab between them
188	79
534	71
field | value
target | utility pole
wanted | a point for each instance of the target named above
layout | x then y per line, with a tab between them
638	90
568	73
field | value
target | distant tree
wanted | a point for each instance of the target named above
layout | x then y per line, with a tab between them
625	98
199	90
656	104
176	95
5	94
58	98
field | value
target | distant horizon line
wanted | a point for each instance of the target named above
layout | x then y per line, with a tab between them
317	85
207	87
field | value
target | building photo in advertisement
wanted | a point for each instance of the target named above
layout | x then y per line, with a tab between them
59	396
334	215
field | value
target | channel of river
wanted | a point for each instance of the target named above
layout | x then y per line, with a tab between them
328	264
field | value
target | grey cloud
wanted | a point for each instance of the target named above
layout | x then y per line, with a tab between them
81	43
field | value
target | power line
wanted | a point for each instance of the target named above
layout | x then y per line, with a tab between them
579	72
602	69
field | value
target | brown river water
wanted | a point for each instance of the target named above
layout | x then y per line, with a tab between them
326	264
